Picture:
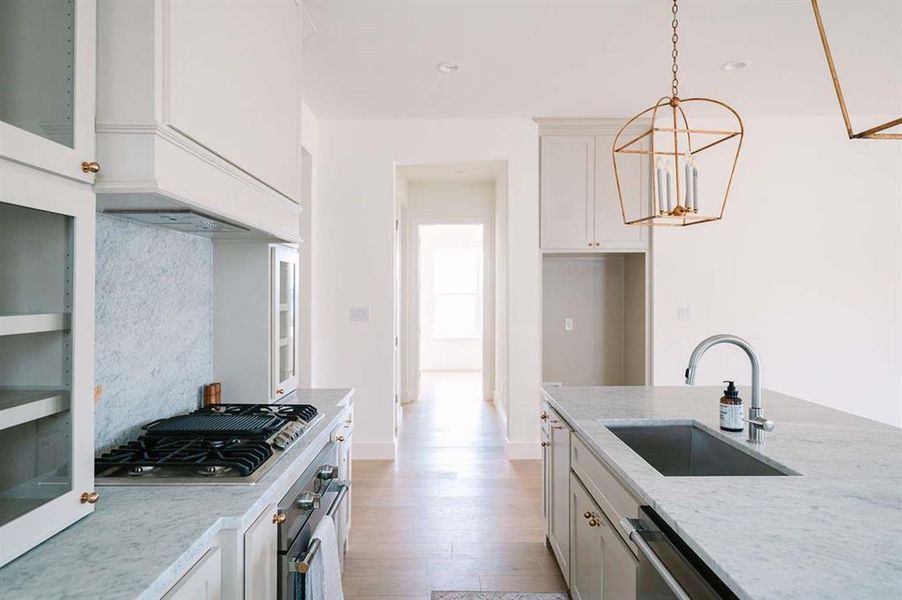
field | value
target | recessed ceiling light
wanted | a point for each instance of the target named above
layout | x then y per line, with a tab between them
447	67
737	65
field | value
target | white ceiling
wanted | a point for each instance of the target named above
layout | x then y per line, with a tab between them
529	58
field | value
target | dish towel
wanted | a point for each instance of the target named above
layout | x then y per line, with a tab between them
323	580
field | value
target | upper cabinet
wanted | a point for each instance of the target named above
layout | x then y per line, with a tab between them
580	206
198	106
47	54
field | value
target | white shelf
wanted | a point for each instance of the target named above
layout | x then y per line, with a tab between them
21	405
18	324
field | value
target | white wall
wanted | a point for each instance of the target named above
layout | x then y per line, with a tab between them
438	353
355	220
807	265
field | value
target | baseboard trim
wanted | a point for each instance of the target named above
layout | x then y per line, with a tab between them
374	450
522	450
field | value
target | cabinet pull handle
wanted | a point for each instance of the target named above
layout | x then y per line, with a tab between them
629	527
593	522
339	438
89	498
587	515
544	416
90	167
279	518
280	391
544	444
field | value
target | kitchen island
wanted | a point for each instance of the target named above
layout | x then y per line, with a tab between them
141	540
834	530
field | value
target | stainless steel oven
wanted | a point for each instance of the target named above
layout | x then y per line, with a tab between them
668	568
316	494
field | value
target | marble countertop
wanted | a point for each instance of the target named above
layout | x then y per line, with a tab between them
140	539
835	531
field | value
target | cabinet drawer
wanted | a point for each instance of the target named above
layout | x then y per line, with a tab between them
606	489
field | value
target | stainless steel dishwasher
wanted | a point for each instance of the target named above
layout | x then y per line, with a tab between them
668	568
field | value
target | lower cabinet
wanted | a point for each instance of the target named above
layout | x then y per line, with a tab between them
556	471
202	582
602	567
260	555
343	516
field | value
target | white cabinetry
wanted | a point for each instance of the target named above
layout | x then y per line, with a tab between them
260	555
557	485
580	206
198	106
342	437
202	582
255	313
46	270
47	85
603	568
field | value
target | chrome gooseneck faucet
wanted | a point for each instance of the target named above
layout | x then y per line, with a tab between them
757	423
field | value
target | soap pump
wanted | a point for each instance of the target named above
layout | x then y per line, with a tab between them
731	409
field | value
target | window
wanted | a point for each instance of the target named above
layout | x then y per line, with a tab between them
457	293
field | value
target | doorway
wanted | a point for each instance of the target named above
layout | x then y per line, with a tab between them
451	285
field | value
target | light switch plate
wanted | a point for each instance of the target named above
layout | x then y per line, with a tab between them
360	313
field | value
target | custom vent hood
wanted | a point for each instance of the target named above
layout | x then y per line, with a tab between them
185	220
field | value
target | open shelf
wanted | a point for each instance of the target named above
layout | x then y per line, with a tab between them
23	404
18	324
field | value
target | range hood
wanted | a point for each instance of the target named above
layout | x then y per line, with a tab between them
185	220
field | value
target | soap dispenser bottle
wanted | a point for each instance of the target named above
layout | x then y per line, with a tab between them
731	409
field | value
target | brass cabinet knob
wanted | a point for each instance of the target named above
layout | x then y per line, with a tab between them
590	244
587	515
89	497
90	167
593	522
339	438
279	518
544	444
280	391
544	416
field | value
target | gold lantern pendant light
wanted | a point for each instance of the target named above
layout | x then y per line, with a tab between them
677	156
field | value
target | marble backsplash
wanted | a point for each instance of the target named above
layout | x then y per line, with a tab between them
153	338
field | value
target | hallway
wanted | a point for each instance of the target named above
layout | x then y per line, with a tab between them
451	513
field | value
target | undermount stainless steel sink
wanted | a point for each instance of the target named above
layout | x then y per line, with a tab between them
687	450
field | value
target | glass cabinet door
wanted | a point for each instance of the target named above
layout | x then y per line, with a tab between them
284	320
46	358
47	50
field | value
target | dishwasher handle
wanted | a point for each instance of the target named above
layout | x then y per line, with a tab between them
632	531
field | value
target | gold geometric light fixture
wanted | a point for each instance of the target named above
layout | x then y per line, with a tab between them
678	156
874	133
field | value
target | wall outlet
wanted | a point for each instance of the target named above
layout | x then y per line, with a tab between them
360	313
568	324
684	313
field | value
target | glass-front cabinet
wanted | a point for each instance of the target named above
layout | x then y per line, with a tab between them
46	355
285	296
47	91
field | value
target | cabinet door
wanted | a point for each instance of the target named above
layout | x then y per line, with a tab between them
567	191
559	522
46	356
202	582
284	360
610	230
343	518
234	83
618	563
587	576
260	555
47	92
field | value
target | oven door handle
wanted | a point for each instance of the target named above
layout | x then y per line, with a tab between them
303	565
629	526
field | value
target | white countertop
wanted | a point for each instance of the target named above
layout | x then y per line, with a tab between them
835	531
140	539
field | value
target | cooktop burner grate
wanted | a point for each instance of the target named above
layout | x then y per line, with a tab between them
216	457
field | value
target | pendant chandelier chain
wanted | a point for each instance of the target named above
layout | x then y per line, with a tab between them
675	83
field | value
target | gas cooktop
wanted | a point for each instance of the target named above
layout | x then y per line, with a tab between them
220	444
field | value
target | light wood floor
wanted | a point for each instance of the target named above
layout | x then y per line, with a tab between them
451	513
